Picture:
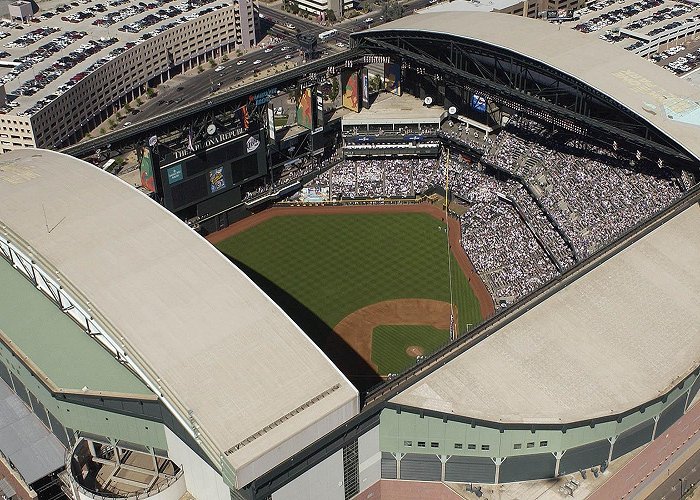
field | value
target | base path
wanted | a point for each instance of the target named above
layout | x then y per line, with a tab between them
356	328
486	305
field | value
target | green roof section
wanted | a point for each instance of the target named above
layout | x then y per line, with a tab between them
55	343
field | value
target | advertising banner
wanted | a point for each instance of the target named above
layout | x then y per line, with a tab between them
175	173
243	113
350	85
478	103
271	124
148	180
392	78
252	144
365	88
216	179
305	109
319	111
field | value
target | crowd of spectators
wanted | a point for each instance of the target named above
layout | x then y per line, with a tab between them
495	236
591	193
289	174
536	203
386	178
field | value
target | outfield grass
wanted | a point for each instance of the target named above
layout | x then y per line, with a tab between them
389	344
336	264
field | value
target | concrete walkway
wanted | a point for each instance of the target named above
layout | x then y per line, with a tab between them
655	463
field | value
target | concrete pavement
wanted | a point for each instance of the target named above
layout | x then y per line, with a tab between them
656	463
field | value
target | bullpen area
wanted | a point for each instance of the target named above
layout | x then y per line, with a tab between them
371	285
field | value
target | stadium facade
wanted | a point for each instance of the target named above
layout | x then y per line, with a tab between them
170	371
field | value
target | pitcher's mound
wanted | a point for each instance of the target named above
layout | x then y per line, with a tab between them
414	351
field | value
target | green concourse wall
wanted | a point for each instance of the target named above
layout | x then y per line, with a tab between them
480	451
114	425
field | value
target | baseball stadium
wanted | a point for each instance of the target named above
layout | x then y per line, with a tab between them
481	277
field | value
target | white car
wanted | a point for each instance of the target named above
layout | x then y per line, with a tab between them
268	50
242	61
288	56
285	48
126	124
369	20
257	61
290	26
219	68
340	44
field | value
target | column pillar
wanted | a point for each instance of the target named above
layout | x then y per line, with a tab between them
612	444
398	457
498	461
443	460
656	422
557	455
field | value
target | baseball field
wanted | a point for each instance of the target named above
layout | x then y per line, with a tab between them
370	285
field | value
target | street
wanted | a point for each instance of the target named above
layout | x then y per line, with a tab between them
194	86
670	489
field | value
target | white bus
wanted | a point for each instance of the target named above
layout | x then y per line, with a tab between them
327	35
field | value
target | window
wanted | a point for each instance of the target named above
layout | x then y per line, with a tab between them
421	444
458	446
543	443
433	444
471	447
408	443
485	447
517	446
530	445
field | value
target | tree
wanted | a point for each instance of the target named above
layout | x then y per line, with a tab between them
119	115
111	123
330	15
392	10
128	108
212	62
239	53
150	92
366	6
103	131
200	69
139	102
224	58
118	164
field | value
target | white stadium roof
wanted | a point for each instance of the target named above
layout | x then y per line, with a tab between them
219	346
634	82
619	336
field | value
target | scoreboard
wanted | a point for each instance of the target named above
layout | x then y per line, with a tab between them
194	177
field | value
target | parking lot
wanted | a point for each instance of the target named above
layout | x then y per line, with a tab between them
662	30
66	41
680	59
